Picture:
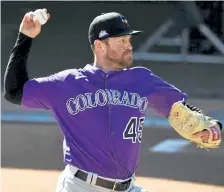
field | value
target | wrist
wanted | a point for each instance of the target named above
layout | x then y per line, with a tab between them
21	36
220	124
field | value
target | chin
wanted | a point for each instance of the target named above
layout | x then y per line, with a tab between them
125	63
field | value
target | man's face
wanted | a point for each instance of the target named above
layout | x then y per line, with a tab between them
119	51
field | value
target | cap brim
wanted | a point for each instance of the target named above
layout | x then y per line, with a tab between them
134	32
129	32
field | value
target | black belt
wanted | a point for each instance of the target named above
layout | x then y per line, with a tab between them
123	186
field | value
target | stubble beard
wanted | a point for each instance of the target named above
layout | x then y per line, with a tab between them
120	63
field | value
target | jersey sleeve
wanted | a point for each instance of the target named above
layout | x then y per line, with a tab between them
40	93
161	94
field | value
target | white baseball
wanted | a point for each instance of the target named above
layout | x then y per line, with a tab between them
40	15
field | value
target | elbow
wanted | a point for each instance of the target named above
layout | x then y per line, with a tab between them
13	97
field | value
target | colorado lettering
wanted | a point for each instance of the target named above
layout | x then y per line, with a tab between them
102	97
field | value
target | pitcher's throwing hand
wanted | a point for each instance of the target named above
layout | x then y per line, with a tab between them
31	26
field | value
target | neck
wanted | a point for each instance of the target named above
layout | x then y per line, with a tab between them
106	66
102	67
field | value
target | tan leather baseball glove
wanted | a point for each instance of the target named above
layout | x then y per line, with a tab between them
187	122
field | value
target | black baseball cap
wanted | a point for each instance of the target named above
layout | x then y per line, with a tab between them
109	25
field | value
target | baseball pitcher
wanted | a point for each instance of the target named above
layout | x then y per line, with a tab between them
101	107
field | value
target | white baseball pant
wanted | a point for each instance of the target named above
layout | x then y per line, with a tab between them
67	182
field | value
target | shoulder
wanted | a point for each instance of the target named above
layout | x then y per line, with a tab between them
141	72
152	79
140	69
68	74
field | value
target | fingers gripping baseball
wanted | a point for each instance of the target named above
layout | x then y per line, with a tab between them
32	21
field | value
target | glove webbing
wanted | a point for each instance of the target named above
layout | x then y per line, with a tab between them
192	107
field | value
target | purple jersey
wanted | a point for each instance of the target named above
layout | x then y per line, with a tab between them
101	115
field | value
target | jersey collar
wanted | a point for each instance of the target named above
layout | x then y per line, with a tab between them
93	69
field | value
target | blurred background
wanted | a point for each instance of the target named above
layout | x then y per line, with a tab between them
183	43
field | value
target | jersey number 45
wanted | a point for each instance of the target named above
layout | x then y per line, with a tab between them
133	129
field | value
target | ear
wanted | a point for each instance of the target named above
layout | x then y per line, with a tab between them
100	45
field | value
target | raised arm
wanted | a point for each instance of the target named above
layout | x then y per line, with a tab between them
18	88
16	74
